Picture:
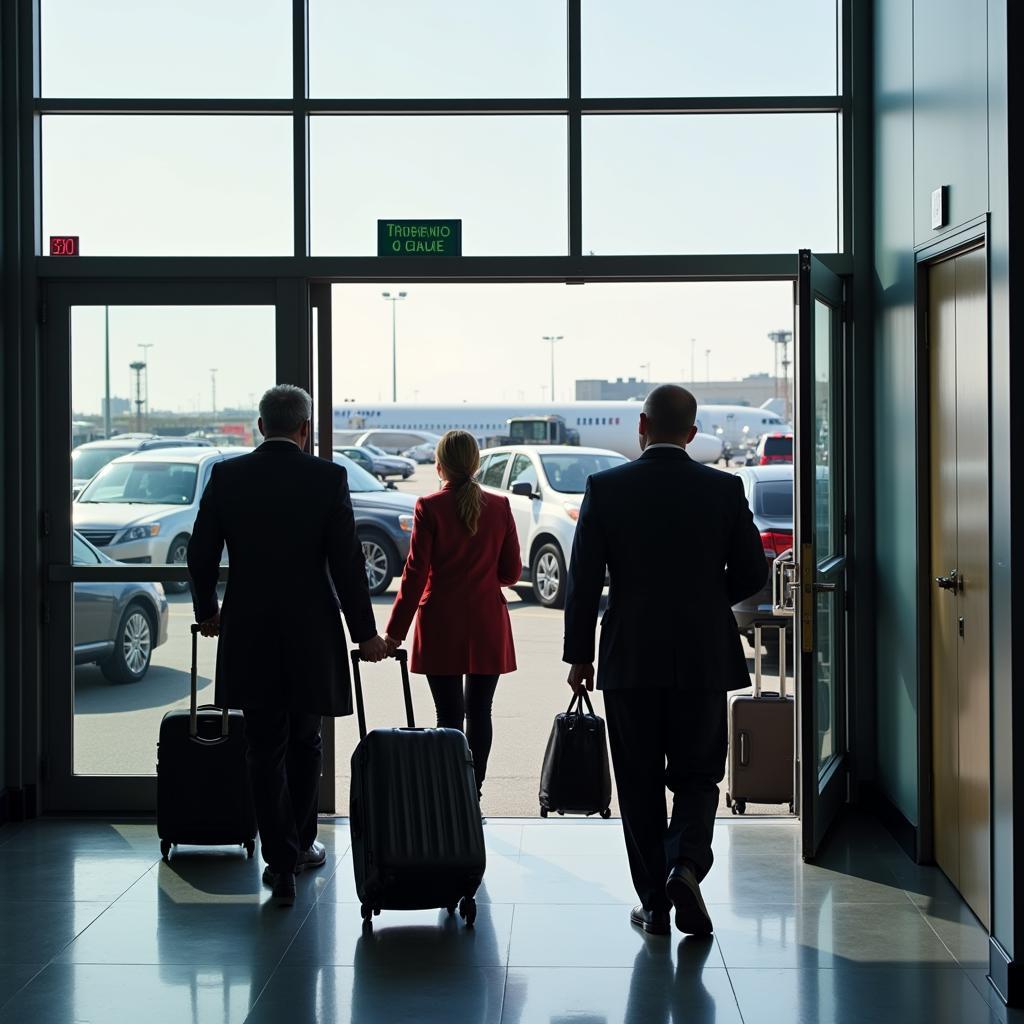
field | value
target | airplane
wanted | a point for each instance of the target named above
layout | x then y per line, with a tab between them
611	425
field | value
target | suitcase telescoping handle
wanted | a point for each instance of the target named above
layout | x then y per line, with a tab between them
194	709
757	657
403	662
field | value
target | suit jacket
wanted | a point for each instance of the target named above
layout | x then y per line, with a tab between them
286	518
681	548
454	579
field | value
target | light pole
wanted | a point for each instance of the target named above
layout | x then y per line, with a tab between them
551	339
138	367
106	371
394	345
146	346
693	369
647	368
707	365
213	393
782	337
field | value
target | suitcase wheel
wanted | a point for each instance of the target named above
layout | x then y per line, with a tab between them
606	813
250	848
165	849
543	812
367	915
739	807
728	800
792	809
451	911
467	910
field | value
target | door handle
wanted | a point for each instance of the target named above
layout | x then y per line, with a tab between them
825	588
949	582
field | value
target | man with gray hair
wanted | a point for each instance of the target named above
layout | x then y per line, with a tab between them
287	521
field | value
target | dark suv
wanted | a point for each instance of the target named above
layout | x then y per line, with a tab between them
769	491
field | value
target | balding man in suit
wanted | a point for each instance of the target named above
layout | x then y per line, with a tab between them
680	547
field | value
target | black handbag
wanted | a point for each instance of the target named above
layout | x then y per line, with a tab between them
575	777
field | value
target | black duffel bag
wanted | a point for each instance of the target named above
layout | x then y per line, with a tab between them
574	777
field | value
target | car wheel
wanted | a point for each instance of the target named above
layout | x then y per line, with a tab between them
547	572
380	557
133	647
177	554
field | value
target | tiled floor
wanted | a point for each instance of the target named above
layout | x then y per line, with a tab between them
94	928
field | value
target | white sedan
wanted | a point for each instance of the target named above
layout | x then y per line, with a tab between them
545	485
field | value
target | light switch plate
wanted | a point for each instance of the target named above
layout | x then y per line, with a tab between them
939	206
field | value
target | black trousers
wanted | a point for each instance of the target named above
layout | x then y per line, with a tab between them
284	755
673	738
467	708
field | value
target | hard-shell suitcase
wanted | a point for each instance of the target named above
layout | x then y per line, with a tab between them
761	730
417	835
203	796
574	776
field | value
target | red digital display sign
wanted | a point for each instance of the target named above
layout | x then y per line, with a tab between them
64	245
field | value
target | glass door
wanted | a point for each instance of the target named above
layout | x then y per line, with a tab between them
820	550
147	385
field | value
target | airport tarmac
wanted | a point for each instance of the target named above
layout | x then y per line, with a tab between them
116	725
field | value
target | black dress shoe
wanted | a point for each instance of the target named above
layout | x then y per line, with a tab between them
283	883
683	890
654	922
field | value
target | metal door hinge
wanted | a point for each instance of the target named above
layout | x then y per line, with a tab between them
44	524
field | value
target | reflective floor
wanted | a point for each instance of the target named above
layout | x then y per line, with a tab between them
93	927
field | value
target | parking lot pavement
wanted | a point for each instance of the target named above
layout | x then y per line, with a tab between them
116	725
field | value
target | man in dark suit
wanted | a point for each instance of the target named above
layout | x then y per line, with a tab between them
680	547
286	518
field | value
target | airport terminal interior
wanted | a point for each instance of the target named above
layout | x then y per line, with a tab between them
516	221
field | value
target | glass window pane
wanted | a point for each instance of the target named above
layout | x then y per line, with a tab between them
169	185
696	48
825	668
184	383
505	177
437	48
726	183
191	48
825	504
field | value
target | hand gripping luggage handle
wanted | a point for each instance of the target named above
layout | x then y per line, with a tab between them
402	658
193	716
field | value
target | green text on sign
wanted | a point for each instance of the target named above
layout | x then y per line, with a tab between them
419	238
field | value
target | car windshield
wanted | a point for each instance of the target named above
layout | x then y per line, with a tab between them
87	462
358	479
373	448
774	498
568	473
143	483
778	446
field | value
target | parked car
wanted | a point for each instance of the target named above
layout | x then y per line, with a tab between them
380	464
117	626
544	485
422	453
773	448
383	524
89	458
394	442
140	507
769	491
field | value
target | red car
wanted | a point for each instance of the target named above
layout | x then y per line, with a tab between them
774	448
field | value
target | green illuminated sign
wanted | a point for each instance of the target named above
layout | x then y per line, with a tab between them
419	238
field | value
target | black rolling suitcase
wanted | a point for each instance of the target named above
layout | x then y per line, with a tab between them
417	837
574	777
761	730
202	785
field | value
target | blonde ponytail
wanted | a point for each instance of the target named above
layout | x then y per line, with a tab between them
459	456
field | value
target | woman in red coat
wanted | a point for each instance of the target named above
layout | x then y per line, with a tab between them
464	549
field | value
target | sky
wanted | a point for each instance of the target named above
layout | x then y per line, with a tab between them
177	185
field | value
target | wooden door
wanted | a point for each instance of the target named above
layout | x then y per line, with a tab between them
959	372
